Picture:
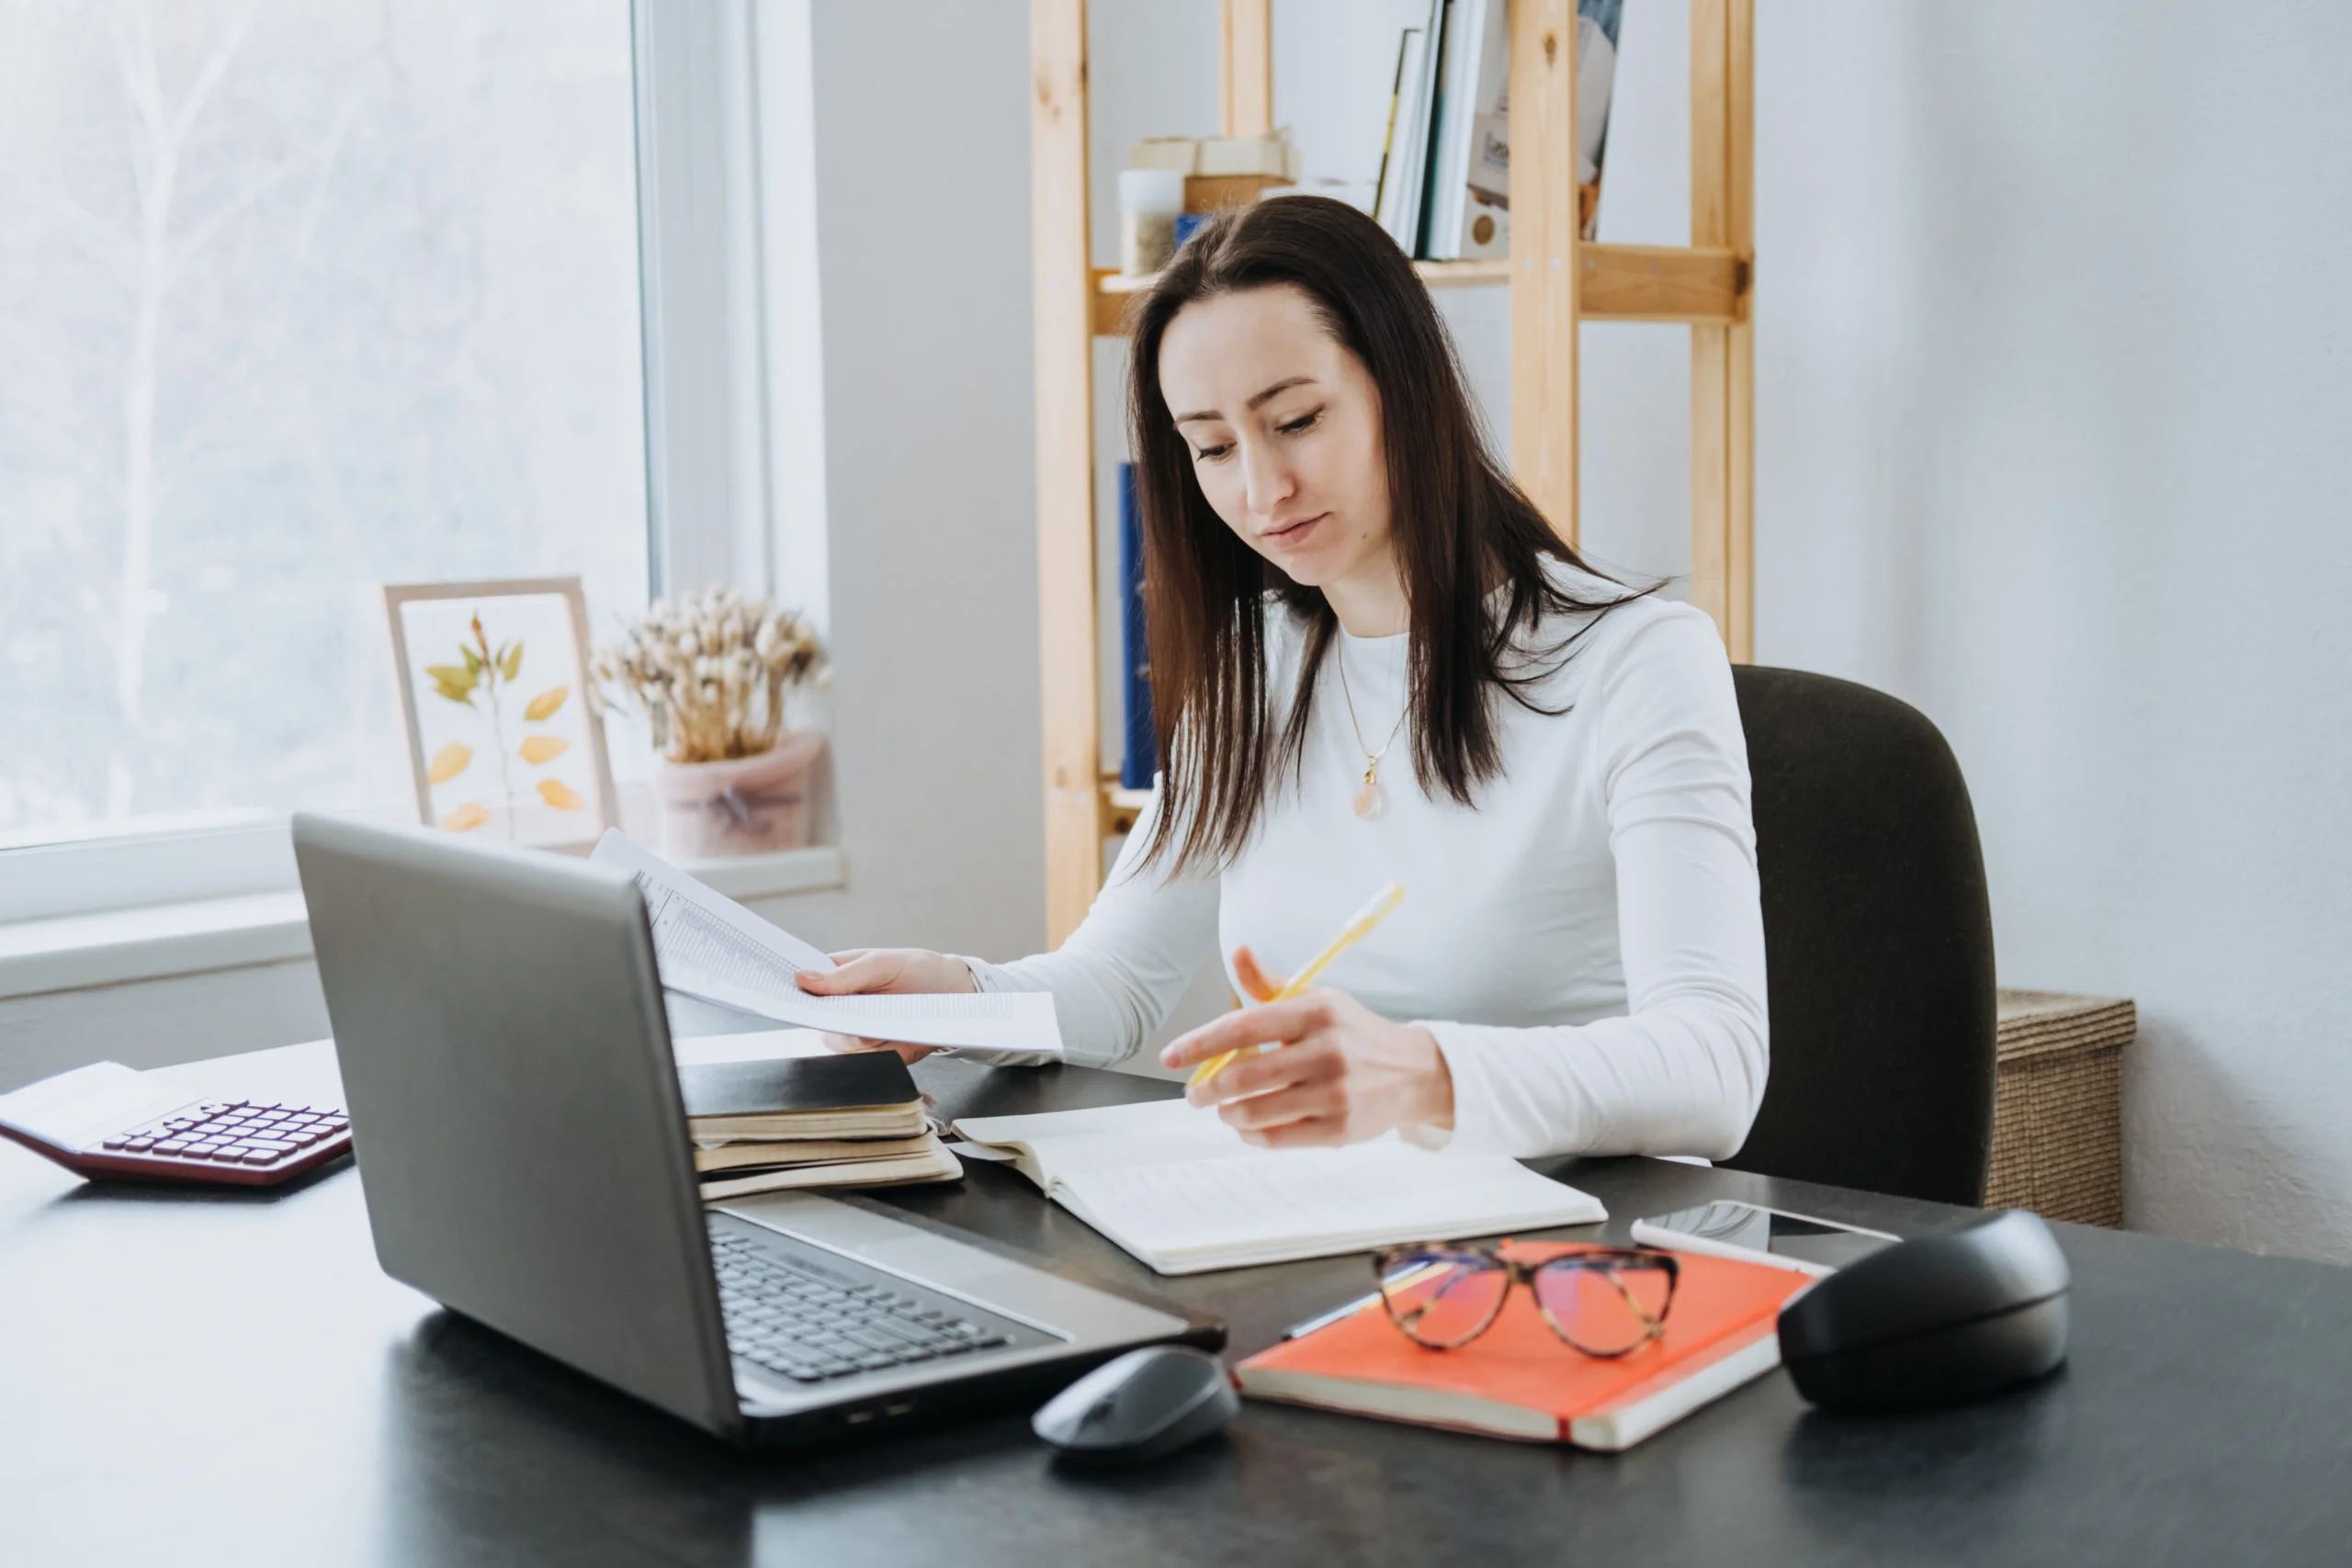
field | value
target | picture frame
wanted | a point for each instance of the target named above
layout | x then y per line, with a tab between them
505	736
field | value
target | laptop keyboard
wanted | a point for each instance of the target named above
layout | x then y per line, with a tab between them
810	1324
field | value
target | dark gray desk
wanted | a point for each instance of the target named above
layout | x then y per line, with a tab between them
227	1379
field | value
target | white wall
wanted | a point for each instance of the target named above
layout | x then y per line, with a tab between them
922	181
2052	397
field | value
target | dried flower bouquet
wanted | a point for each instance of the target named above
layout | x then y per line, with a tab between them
710	670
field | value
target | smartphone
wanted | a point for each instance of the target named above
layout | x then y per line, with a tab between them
1755	1235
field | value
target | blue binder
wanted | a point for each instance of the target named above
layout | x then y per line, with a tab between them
1142	755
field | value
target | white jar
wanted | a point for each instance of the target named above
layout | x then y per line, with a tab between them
1150	200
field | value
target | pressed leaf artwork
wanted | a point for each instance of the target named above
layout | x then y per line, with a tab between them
482	681
485	672
505	736
455	681
450	761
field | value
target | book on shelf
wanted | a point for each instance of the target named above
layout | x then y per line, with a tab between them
1597	27
1448	108
1469	200
1403	161
1388	127
1518	1379
851	1120
1139	758
1179	1190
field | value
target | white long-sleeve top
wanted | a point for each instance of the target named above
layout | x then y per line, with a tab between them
1584	942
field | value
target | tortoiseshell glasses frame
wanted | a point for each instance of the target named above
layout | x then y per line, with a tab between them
1601	1300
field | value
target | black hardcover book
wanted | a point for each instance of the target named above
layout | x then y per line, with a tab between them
852	1081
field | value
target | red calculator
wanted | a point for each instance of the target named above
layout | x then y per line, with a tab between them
131	1131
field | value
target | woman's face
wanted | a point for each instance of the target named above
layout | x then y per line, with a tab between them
1284	426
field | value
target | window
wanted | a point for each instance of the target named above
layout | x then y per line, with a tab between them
296	299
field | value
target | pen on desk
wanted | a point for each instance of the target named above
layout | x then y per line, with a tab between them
1355	930
1326	1319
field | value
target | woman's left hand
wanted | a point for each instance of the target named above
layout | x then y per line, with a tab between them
1343	1073
864	971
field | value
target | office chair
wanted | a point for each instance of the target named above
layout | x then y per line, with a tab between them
1878	940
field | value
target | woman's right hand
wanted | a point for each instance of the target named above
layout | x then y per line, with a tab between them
870	969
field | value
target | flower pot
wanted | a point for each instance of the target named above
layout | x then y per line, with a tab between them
746	805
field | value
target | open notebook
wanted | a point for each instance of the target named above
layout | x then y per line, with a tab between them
1180	1189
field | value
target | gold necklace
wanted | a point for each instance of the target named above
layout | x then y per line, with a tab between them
1369	800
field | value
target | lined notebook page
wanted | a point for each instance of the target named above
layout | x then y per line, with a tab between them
1064	1142
1220	1212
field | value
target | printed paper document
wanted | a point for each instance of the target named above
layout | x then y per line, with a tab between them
709	946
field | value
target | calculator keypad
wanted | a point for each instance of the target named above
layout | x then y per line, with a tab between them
253	1133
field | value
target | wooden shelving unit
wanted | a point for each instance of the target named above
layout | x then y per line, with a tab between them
1556	281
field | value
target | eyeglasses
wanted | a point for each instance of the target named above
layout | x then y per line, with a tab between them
1603	1301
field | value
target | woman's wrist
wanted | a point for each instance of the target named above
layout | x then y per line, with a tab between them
1435	1101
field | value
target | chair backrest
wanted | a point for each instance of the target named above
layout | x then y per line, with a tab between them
1878	936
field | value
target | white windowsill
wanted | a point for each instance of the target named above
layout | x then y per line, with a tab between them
74	951
745	877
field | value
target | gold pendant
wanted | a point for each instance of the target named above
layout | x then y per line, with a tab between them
1370	802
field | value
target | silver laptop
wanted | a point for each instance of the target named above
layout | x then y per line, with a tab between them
515	1107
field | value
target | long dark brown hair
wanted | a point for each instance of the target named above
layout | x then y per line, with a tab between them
1471	549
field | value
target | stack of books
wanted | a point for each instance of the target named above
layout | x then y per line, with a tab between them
846	1120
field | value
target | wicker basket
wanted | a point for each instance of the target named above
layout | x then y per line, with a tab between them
2058	1106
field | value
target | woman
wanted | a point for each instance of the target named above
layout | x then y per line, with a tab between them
1371	659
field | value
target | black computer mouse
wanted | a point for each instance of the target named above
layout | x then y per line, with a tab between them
1939	1320
1146	1404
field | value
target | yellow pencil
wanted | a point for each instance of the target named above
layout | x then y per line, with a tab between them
1355	930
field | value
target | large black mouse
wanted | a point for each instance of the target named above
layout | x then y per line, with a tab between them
1146	1404
1940	1320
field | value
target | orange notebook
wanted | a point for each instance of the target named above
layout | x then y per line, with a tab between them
1518	1380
